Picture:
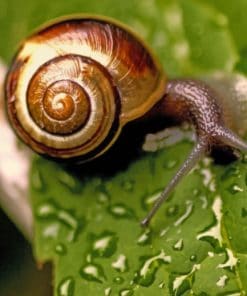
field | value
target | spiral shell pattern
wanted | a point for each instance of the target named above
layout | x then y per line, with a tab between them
74	84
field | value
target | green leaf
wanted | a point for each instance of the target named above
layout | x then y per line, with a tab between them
87	223
89	227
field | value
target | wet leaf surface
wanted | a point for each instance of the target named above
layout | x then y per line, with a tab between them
192	244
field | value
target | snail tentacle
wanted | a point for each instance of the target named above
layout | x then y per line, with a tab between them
195	101
193	158
228	137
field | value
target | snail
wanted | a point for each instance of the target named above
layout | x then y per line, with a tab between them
74	84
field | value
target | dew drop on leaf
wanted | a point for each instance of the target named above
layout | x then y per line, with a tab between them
235	188
170	164
145	276
149	200
46	210
69	181
187	213
121	211
104	245
222	281
108	291
103	197
60	249
231	172
193	258
51	230
92	272
211	254
164	231
204	201
172	211
196	192
66	287
49	210
162	285
144	238
231	260
126	292
214	232
181	280
121	263
179	245
118	280
38	181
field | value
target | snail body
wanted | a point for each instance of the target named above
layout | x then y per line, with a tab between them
74	84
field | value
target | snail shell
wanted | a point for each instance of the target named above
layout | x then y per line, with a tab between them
74	84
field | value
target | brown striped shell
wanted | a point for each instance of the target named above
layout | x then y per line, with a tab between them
74	84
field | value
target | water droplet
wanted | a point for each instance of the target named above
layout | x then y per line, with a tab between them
121	211
89	258
49	210
128	185
126	292
196	192
118	280
231	260
144	238
188	211
164	231
208	178
46	210
93	272
103	197
179	245
222	281
231	172
60	249
146	275
149	200
104	245
121	263
162	285
108	291
172	210
51	231
235	188
37	180
69	181
180	281
170	164
66	287
193	258
214	231
204	201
